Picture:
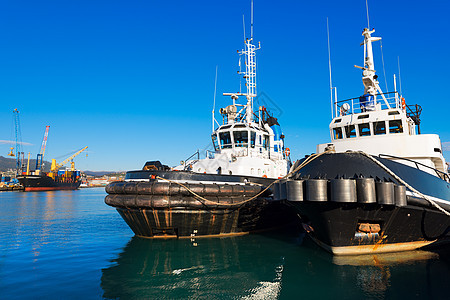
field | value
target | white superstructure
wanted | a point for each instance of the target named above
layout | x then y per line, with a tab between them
382	124
248	143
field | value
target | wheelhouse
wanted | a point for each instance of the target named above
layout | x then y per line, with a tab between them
249	137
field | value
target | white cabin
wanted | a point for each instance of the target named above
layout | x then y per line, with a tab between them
381	124
246	149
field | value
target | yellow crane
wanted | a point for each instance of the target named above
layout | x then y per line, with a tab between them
55	166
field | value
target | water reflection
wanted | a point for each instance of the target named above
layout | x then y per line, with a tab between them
205	268
385	259
268	267
43	210
417	274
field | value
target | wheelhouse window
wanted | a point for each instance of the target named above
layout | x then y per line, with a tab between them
266	143
395	126
364	129
252	139
225	140
240	138
350	131
379	127
337	133
214	141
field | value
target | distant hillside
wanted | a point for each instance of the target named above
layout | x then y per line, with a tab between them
101	173
10	163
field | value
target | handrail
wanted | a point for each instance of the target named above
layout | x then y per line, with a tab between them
391	101
357	98
444	175
196	153
187	165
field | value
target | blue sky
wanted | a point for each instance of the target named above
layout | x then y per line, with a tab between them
134	80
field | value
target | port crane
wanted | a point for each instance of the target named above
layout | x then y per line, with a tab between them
55	166
40	156
18	154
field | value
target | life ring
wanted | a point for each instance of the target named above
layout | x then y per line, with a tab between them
287	151
403	104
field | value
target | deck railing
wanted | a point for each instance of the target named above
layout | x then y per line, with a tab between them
440	174
355	106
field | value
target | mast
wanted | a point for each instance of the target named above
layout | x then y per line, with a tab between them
250	69
249	74
369	74
369	78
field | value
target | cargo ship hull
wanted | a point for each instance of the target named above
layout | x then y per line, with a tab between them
46	183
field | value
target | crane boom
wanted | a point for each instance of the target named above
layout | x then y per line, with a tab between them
44	140
56	166
40	155
19	162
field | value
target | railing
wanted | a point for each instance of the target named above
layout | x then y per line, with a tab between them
440	174
189	161
355	106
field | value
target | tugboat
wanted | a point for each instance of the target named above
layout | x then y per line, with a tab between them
228	192
380	185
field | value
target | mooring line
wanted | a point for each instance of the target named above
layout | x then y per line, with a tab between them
390	172
200	198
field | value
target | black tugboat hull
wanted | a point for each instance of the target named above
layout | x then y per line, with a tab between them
156	208
46	183
361	228
193	223
335	227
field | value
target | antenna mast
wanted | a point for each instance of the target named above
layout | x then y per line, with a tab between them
249	74
399	74
243	24
214	103
367	10
329	67
250	70
251	21
370	79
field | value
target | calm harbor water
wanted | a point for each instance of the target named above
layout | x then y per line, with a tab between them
69	244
